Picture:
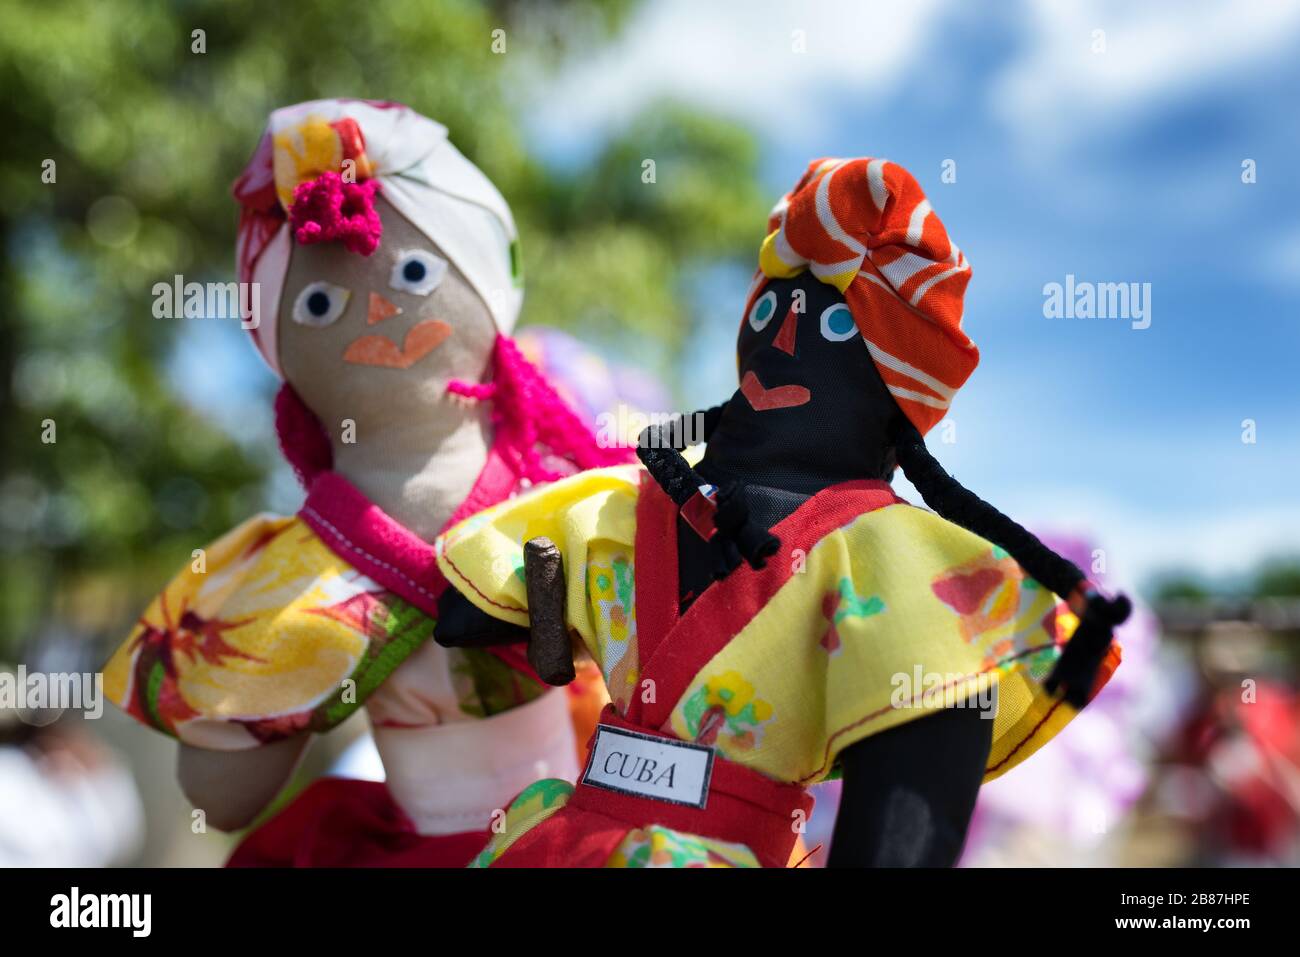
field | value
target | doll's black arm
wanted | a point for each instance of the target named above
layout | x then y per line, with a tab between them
462	624
1074	675
660	446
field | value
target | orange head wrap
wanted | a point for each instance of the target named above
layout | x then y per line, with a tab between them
865	227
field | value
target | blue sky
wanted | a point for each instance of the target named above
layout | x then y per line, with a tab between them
1114	165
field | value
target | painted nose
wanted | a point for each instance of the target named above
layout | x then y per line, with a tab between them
785	335
380	309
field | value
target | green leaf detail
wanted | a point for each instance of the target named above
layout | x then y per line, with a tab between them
407	627
157	675
693	709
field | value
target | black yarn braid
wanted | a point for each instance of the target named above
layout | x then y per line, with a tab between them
961	506
1077	667
660	449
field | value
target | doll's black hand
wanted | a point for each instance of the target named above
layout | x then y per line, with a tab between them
754	543
461	624
1076	670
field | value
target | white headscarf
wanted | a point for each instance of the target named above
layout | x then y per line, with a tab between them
422	174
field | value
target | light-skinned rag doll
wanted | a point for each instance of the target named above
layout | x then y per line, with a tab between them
387	276
777	615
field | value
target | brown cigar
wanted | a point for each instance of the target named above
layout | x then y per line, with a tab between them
549	651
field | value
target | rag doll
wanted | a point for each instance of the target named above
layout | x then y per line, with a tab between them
777	615
387	278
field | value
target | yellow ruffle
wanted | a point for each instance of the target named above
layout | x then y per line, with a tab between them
898	613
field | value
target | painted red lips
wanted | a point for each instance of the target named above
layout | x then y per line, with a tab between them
762	398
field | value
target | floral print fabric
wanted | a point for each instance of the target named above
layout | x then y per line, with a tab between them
893	615
266	634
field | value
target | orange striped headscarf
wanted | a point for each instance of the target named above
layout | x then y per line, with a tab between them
865	227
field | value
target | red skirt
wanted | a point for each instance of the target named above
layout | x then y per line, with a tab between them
341	822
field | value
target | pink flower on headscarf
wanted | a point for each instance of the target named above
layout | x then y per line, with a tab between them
326	209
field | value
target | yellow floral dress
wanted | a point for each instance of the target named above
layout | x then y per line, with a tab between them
268	633
867	621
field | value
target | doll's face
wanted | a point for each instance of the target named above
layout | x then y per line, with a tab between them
808	382
379	333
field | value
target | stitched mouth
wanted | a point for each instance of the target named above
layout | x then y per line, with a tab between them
761	398
421	339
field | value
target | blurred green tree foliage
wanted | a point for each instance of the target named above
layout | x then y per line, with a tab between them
143	135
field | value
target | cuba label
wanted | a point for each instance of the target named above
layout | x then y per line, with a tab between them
647	766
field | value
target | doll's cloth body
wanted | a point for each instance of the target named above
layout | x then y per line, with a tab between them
888	613
386	274
291	625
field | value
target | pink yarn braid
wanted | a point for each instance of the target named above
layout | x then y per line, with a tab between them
302	437
541	437
326	209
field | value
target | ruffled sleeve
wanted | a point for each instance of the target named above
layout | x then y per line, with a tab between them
264	635
591	517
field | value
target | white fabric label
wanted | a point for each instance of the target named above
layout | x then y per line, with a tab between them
652	767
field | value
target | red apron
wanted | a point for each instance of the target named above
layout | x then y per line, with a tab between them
743	806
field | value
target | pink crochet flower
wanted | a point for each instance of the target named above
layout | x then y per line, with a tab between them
326	208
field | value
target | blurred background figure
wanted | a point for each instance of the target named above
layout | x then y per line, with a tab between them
595	387
641	144
66	798
1226	785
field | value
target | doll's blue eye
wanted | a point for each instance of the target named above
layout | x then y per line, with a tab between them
417	271
760	314
837	323
319	304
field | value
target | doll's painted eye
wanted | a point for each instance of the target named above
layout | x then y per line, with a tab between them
761	313
319	304
418	272
837	323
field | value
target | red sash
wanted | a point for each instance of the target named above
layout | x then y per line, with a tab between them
743	805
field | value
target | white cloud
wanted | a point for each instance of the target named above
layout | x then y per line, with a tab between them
1058	88
740	60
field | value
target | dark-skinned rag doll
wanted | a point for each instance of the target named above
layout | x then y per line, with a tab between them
777	615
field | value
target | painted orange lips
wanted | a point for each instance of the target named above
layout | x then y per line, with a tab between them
762	398
421	339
